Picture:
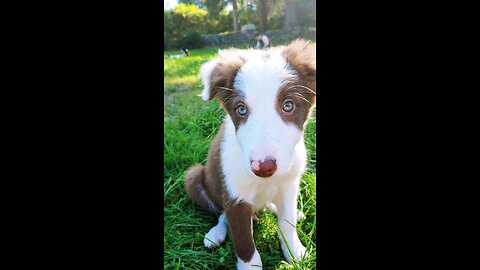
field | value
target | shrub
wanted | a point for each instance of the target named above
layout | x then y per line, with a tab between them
167	41
224	22
192	39
186	17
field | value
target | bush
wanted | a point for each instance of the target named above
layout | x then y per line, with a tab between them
186	17
192	39
167	41
224	23
276	23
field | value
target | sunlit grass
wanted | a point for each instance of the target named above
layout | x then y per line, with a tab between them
190	125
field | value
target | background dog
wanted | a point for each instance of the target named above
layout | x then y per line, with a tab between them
258	156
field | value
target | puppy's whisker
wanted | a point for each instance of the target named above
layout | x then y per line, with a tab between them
307	88
304	87
225	88
300	96
230	98
287	82
227	101
295	93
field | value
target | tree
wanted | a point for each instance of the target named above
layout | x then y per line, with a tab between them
236	24
262	8
308	10
214	7
290	14
245	7
198	3
187	17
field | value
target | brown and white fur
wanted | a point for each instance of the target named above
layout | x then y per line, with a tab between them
258	156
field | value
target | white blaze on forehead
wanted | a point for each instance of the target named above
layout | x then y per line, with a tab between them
264	133
261	77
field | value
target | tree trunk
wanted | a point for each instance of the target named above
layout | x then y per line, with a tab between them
290	14
245	8
236	24
263	14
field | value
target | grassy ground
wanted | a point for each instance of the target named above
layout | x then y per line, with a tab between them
190	125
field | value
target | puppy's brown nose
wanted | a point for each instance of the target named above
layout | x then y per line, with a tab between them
264	169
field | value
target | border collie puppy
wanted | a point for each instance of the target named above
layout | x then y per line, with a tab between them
258	156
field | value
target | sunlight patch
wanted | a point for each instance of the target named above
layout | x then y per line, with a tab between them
191	79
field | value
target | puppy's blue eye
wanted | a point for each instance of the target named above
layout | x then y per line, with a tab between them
242	110
288	106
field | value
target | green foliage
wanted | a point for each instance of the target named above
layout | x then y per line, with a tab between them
198	3
188	17
192	39
212	20
305	10
306	13
275	23
248	15
184	25
210	17
276	9
214	7
220	24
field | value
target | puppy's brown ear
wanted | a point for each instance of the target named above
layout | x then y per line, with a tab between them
301	56
220	73
206	72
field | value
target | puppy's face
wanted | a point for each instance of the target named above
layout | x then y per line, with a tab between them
269	96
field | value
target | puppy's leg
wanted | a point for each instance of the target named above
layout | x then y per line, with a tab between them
241	232
286	202
217	234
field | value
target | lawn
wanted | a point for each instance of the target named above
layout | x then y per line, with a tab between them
190	125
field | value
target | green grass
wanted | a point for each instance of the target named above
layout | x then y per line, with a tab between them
190	125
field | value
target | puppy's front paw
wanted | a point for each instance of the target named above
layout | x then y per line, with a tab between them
297	249
214	237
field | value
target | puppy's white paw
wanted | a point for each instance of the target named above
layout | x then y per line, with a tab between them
215	237
297	249
254	264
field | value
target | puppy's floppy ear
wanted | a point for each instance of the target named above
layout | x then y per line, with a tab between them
301	56
206	72
220	72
